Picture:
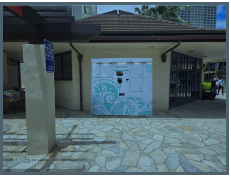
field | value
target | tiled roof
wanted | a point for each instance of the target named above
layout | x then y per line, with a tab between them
121	22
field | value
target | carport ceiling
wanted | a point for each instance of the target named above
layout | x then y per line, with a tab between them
215	51
14	49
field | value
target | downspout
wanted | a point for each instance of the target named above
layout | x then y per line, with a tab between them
164	56
80	59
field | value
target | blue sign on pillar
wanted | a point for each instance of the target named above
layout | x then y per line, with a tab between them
49	56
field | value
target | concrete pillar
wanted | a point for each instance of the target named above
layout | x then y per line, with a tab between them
5	78
40	101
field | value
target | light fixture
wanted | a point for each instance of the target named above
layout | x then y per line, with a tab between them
204	56
91	47
190	51
151	47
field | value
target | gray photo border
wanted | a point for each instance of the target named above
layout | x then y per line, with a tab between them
125	3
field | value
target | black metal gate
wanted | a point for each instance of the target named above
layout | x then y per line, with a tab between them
185	79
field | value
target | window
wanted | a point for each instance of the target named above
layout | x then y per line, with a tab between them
212	66
63	66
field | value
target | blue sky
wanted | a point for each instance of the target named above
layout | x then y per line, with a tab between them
221	12
221	17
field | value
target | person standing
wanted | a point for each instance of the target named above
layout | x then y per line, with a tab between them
221	85
217	82
213	85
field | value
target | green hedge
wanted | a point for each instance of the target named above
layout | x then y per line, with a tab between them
206	86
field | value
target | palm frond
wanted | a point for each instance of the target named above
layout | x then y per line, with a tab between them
137	10
164	12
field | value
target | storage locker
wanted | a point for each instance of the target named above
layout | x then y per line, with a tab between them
121	86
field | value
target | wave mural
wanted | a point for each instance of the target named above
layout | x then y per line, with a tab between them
106	100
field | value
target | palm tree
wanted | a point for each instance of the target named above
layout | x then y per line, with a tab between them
143	11
164	12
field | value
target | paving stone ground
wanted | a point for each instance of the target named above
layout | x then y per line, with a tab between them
121	144
198	146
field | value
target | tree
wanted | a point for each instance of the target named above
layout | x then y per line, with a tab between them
143	11
206	68
164	12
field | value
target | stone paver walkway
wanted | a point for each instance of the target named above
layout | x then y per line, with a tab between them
121	145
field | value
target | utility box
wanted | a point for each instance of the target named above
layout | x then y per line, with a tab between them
121	86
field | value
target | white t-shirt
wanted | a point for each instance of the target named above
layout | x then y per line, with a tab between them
221	83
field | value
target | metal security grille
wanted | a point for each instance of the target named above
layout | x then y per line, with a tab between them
185	78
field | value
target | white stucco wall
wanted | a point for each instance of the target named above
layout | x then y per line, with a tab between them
64	94
75	80
161	73
5	78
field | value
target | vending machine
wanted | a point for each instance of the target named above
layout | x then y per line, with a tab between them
121	86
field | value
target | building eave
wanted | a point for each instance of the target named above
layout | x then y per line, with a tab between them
185	38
